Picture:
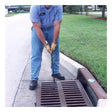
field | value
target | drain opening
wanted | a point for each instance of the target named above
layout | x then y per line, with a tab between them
62	94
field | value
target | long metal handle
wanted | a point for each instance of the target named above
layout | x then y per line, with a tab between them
53	68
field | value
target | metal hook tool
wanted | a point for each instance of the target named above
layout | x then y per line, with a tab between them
52	67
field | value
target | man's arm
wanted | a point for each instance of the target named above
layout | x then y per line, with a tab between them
39	32
57	23
56	31
55	35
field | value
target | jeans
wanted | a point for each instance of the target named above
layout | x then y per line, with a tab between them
37	49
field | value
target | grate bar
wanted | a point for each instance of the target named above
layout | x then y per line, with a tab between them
49	98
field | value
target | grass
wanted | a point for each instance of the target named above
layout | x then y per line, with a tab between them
85	39
97	15
13	14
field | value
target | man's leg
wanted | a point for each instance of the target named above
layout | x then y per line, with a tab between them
55	55
36	58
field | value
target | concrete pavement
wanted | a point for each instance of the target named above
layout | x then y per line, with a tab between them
97	13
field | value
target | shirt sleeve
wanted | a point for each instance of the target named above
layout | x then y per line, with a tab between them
59	13
34	13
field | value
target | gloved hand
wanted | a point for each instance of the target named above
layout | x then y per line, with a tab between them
53	46
48	48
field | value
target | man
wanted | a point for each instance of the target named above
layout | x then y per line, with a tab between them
46	20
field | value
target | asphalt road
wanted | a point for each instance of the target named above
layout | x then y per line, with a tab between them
17	52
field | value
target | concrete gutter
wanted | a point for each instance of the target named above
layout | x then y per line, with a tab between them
92	87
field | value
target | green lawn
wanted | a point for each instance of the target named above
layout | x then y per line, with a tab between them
85	39
13	14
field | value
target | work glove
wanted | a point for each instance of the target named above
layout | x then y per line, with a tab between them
53	46
47	48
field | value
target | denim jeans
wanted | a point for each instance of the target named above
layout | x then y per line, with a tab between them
37	49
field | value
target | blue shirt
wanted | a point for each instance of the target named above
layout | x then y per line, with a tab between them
38	13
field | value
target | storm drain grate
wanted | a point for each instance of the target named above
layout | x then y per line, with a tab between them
62	94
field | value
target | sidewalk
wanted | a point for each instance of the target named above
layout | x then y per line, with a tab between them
17	51
26	98
97	13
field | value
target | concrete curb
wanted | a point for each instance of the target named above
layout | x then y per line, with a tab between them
80	72
70	65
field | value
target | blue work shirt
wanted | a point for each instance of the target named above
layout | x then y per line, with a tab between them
39	13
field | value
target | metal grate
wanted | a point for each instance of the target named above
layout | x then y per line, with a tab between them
62	94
